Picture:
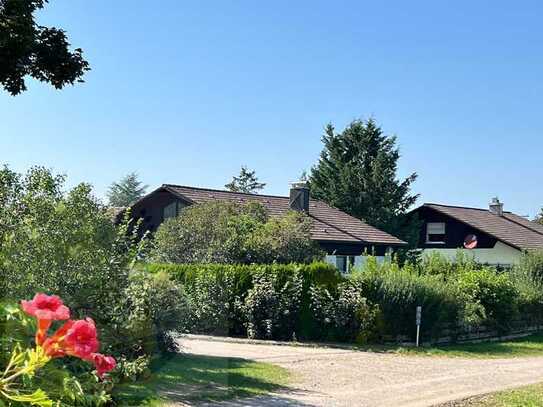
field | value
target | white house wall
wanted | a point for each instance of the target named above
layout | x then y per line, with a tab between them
358	260
500	254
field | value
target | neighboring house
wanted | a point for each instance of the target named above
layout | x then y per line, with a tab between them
491	235
343	237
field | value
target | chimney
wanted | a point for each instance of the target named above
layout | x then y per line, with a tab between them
299	196
496	207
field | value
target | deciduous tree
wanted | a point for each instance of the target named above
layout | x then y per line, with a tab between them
29	49
228	232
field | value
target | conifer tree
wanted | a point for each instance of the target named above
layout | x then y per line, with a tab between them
246	182
357	173
127	191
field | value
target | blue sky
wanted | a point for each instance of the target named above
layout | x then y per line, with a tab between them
187	92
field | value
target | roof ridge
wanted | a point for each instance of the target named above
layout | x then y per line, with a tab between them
459	207
242	193
225	191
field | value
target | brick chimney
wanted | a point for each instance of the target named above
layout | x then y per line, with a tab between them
496	207
299	196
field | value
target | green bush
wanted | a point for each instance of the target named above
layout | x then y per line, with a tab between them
528	279
271	309
215	289
233	233
398	291
157	310
236	300
492	295
347	316
531	265
65	243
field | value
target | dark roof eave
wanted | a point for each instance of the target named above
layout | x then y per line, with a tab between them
363	242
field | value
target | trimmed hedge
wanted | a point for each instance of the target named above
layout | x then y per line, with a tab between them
237	280
465	297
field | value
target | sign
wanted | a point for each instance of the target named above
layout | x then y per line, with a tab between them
470	242
419	317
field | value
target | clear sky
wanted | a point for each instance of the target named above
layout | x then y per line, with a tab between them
186	92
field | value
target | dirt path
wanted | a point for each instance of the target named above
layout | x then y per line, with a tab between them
337	377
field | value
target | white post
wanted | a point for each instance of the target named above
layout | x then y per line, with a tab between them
418	320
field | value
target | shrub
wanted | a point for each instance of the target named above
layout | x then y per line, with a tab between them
65	243
157	310
284	240
398	292
491	294
234	233
531	265
347	316
527	277
212	299
271	308
214	289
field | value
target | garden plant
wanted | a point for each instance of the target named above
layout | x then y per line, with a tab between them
74	338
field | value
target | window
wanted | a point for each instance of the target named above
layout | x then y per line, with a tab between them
435	232
344	263
170	211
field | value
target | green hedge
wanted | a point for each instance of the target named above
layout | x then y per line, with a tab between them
464	296
399	292
239	280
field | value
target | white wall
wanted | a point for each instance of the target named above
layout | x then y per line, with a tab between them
499	254
358	260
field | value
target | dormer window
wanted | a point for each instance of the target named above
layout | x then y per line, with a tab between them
435	232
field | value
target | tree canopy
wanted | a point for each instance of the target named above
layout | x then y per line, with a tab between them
539	217
357	173
28	49
127	191
246	182
229	232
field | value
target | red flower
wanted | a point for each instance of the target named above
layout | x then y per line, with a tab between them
74	338
103	363
46	309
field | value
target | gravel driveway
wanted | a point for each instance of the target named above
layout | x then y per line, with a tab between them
338	377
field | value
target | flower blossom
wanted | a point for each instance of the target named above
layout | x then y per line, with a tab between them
74	338
46	309
102	363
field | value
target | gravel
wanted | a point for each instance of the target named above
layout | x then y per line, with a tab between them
341	377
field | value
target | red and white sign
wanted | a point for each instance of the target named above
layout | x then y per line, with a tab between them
470	242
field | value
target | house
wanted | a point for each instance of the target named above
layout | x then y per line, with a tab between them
343	237
493	236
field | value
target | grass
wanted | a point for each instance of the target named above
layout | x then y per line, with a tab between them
528	346
185	378
528	396
531	345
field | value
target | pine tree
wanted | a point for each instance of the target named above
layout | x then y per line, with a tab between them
357	173
246	182
127	191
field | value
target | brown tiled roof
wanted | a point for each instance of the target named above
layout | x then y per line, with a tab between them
511	229
329	224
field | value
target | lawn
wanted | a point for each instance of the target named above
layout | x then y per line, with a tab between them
528	396
527	346
183	378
